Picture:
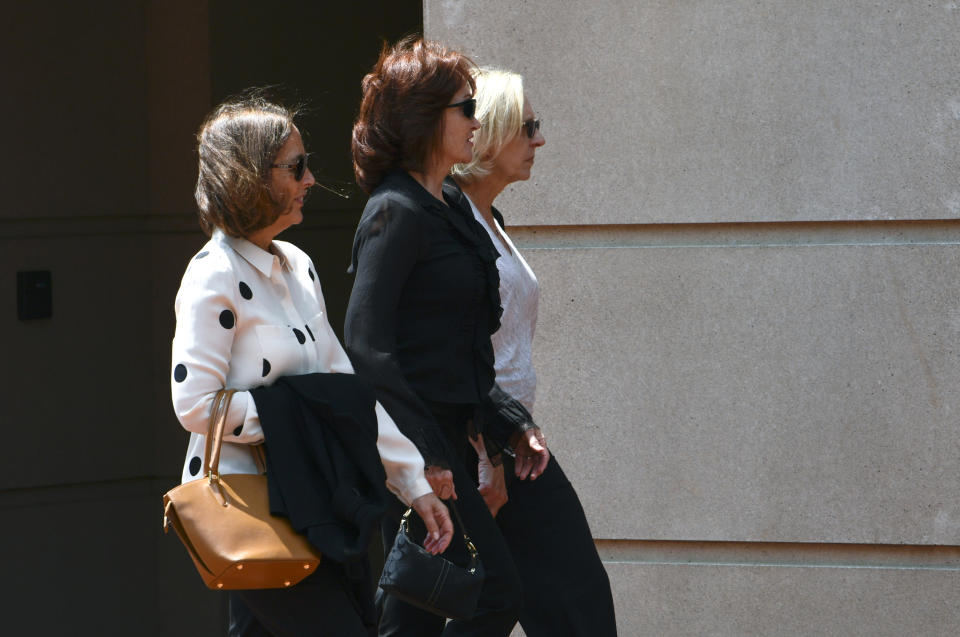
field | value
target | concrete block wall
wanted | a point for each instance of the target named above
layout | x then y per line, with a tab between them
745	225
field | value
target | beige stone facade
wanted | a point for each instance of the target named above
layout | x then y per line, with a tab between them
745	226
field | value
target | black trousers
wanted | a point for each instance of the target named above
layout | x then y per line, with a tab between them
325	604
566	591
501	597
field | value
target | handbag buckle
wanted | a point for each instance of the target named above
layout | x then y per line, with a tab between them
405	520
214	482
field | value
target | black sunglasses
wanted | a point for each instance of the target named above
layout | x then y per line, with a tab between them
299	168
531	126
469	107
339	188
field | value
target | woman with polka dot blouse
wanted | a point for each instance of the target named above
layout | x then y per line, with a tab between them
250	311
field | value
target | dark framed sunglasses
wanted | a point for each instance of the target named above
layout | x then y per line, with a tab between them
342	189
530	127
469	107
299	168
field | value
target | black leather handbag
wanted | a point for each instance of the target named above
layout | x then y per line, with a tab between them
432	582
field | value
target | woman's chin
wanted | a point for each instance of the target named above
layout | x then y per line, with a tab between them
292	217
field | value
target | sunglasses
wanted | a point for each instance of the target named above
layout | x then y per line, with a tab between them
531	126
339	188
469	107
299	168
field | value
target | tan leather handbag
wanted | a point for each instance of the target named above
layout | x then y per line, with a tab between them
226	525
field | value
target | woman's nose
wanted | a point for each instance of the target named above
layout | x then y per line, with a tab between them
308	179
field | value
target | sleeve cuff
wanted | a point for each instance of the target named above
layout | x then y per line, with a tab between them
243	412
504	419
401	460
432	445
420	487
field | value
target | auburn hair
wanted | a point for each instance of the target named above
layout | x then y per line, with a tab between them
400	124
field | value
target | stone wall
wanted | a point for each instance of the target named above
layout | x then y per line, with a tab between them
745	222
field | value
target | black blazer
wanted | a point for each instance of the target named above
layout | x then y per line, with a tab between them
424	304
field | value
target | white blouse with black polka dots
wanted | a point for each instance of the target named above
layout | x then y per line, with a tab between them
246	317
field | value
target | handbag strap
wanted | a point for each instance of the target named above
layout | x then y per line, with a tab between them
456	513
218	419
474	554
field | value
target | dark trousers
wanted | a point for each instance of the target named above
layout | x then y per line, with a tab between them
325	604
566	591
501	597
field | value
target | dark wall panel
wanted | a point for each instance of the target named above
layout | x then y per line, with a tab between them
78	385
315	57
103	102
74	108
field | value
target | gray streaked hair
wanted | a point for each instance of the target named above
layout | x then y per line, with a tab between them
237	144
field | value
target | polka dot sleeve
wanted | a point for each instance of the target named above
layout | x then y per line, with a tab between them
207	318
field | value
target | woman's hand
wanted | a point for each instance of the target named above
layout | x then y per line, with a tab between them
493	486
436	518
441	481
532	454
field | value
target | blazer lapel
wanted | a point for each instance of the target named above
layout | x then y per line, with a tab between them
460	215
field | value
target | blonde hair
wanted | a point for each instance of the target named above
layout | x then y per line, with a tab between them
500	111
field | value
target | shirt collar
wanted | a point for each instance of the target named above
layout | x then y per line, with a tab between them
254	255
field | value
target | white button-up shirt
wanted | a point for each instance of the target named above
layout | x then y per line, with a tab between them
519	297
246	317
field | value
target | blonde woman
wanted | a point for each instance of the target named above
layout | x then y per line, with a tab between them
566	589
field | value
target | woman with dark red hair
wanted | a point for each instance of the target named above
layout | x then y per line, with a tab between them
424	304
